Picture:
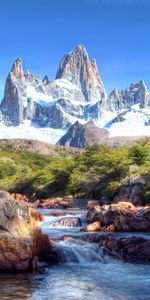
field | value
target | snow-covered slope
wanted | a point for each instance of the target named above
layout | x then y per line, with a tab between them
33	108
135	122
28	131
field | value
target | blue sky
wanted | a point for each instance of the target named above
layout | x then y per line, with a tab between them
115	32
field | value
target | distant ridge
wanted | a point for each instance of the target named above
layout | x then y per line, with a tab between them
80	136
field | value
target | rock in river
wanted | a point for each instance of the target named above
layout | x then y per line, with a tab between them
131	249
122	216
68	222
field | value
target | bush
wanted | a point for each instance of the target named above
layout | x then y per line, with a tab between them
138	154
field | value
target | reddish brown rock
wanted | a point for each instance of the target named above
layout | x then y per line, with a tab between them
134	249
93	227
17	69
16	229
109	228
36	215
19	227
135	200
122	216
44	248
54	203
80	70
16	196
15	252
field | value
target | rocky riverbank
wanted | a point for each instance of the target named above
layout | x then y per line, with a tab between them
22	243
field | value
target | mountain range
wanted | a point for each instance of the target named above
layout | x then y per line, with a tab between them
59	110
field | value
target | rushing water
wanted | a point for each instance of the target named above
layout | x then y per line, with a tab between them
83	271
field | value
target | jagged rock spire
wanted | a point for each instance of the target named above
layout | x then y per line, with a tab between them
45	80
17	68
12	103
80	70
137	93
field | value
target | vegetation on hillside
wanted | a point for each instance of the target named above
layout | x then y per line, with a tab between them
97	171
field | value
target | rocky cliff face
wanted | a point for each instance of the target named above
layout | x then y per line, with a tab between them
80	135
80	70
136	93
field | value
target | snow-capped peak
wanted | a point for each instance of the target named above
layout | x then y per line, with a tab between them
77	94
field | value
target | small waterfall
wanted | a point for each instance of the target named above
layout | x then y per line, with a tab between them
78	251
69	246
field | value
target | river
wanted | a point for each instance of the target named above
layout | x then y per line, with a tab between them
83	272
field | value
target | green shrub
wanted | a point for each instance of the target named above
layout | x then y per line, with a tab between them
98	170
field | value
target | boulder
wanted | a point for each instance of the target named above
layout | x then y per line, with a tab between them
133	249
109	228
15	252
5	195
122	216
19	232
68	222
44	248
133	190
93	227
136	200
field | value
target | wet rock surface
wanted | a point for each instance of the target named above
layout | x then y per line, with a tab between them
133	249
19	232
95	226
15	252
122	216
68	222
